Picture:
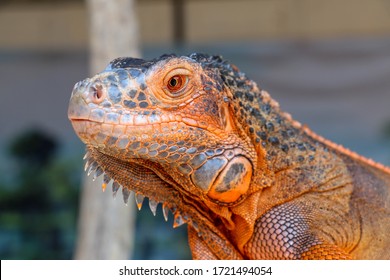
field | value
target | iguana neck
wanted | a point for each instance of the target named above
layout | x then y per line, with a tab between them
284	141
279	140
285	151
286	144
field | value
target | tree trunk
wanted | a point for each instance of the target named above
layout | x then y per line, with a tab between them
106	226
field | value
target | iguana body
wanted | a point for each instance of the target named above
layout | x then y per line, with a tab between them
195	134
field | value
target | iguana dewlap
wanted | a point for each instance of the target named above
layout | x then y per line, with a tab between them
195	134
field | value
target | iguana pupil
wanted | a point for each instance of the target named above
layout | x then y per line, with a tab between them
173	82
176	83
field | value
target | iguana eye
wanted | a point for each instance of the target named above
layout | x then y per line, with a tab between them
177	83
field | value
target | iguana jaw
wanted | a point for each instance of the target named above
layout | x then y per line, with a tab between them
139	177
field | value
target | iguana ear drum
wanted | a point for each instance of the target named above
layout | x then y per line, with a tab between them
222	180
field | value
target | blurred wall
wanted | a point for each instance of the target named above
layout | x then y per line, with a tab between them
64	25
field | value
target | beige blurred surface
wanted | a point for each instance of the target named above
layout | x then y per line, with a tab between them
64	26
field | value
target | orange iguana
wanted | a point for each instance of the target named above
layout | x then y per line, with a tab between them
195	134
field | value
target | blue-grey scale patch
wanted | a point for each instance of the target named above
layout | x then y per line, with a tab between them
174	157
184	169
122	74
143	151
273	140
126	118
134	73
124	83
210	153
201	148
301	147
143	104
284	148
122	144
106	104
130	104
154	146
112	117
191	150
185	158
111	141
111	78
270	126
153	116
162	154
114	93
162	147
198	160
132	93
235	170
141	96
205	175
173	149
135	145
96	115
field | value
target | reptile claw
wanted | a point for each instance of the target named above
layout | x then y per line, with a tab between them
153	206
139	198
106	181
92	168
86	156
98	172
165	211
126	193
178	220
88	163
115	188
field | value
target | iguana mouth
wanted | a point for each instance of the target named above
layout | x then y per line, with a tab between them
140	180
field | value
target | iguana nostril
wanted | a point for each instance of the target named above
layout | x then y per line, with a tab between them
96	93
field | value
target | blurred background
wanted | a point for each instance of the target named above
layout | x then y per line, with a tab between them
326	62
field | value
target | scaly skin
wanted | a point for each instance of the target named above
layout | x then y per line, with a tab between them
195	134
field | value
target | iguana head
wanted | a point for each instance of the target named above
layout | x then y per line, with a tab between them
173	129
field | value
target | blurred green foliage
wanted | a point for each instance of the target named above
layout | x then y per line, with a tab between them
38	209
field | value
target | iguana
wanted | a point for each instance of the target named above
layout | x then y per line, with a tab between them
195	134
